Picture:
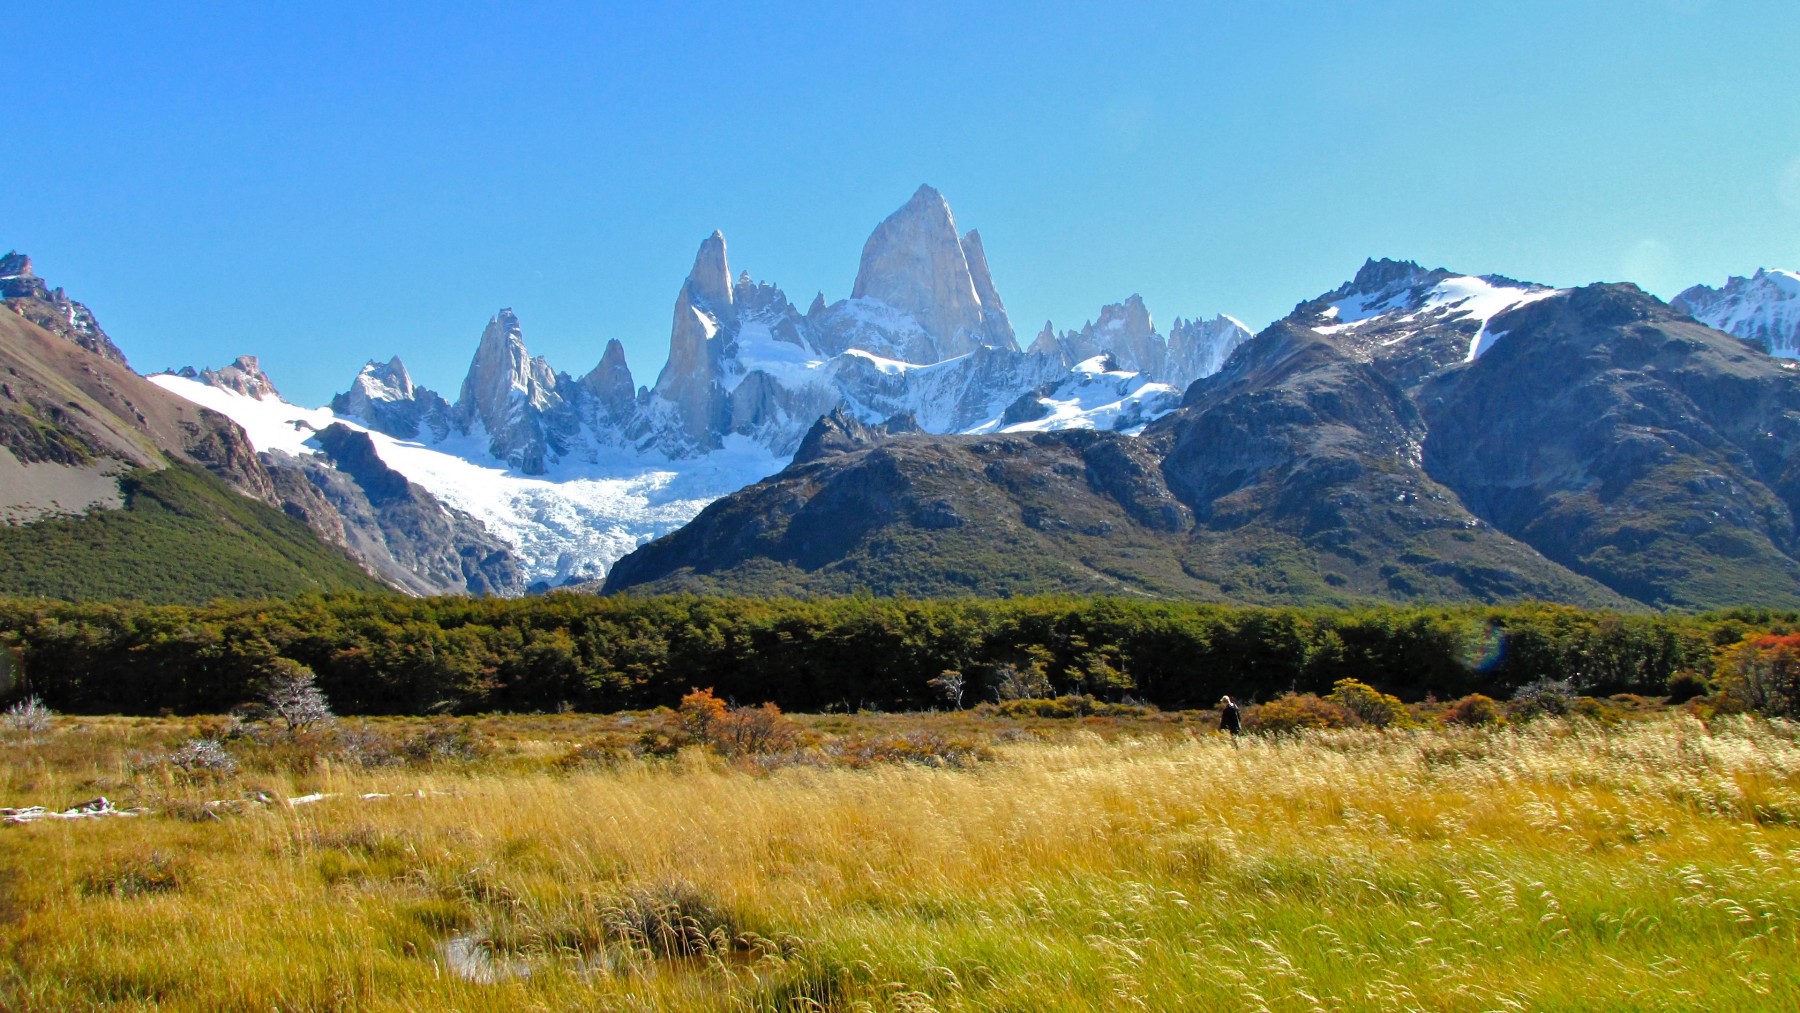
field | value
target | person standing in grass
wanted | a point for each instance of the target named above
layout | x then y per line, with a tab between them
1230	720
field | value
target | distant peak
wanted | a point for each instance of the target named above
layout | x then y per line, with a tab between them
244	375
1379	274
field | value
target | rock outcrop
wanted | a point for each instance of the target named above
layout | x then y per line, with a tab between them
610	387
690	411
406	536
925	333
1126	332
384	398
245	376
28	296
916	265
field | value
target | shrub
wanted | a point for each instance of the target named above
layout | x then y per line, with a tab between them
1473	710
1293	712
734	731
1060	707
753	731
202	756
360	745
948	686
445	739
1687	686
590	756
292	696
1014	683
1596	710
29	716
151	872
1070	706
1370	705
1761	674
1554	697
699	711
927	748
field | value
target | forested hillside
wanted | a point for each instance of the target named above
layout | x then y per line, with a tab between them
183	536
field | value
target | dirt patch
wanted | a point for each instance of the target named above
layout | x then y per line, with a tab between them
30	492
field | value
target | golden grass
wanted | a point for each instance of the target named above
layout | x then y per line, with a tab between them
1654	865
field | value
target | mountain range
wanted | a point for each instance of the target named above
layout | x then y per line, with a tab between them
574	472
1411	434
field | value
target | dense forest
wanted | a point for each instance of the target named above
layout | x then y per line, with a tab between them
391	655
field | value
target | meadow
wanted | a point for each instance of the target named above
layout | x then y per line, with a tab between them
907	862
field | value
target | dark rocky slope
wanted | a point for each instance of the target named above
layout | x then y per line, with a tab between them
1608	451
1630	444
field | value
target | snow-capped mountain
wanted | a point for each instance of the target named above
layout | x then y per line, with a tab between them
575	472
1124	331
1413	321
1764	308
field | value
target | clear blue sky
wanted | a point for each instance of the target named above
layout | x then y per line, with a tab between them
322	183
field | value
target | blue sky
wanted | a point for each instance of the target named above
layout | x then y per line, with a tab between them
323	183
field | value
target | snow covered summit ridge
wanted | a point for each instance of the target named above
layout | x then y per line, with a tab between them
1390	301
1764	308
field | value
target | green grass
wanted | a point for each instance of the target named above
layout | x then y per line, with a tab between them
183	537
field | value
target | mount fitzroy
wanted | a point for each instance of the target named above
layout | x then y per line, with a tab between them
574	472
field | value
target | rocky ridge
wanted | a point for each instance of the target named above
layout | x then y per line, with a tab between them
1412	434
1764	308
924	333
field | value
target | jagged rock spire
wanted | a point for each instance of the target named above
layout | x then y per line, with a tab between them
709	283
993	312
611	385
509	392
690	380
916	263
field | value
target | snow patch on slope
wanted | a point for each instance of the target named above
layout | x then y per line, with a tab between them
572	523
1096	396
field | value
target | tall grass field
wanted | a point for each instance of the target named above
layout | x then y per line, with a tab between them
909	863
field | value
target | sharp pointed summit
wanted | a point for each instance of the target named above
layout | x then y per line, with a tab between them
709	283
611	385
510	393
915	262
689	385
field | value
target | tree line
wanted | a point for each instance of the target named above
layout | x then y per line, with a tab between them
382	654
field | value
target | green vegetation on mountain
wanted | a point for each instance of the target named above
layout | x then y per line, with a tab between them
389	654
183	536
